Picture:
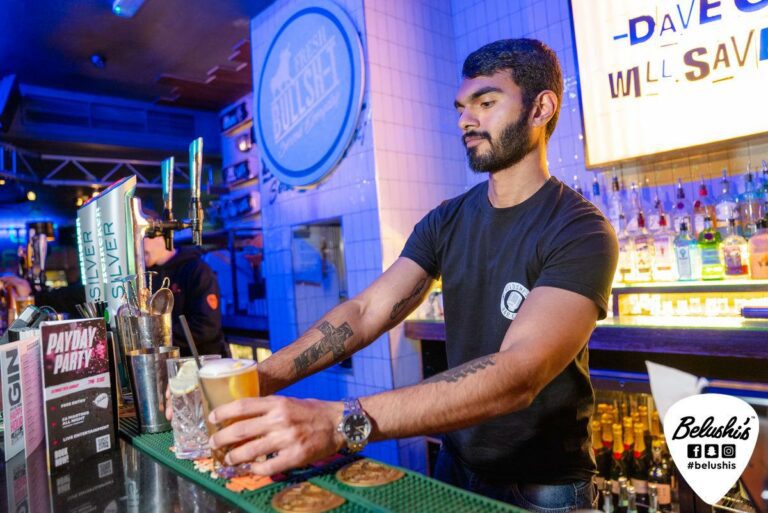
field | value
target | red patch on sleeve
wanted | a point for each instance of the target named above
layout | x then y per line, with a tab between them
213	301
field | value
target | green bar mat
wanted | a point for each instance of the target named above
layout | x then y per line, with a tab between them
415	493
410	494
257	501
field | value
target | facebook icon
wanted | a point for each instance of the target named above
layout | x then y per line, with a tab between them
694	450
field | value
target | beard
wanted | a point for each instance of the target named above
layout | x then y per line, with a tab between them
512	145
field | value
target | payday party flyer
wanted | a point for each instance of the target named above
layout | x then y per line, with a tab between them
77	391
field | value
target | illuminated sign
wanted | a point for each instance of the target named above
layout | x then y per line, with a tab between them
660	75
309	93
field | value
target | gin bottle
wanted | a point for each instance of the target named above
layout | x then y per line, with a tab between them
710	243
726	206
687	256
735	253
750	205
664	252
643	245
702	208
681	210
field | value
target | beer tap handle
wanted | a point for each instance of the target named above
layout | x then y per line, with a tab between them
195	207
167	175
140	227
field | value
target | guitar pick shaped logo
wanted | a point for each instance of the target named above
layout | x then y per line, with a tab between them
711	438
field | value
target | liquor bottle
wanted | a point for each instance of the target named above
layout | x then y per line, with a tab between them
635	210
750	205
710	241
642	411
664	252
638	472
681	210
654	212
597	197
631	500
615	204
607	499
602	455
653	498
643	245
607	437
659	475
623	501
702	208
735	253
764	191
618	470
628	439
577	185
726	206
626	265
687	257
758	252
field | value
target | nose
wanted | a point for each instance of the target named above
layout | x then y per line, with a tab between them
467	120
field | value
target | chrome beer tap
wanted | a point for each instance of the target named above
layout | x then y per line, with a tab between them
195	207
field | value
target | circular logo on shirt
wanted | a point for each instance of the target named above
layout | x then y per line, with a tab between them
213	301
513	296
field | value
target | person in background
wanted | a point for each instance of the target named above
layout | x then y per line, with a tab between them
195	292
526	266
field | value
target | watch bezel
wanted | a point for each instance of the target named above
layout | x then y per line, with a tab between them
347	422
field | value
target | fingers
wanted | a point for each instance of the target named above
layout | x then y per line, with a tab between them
250	451
250	407
239	432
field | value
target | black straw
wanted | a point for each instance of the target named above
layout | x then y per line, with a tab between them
193	347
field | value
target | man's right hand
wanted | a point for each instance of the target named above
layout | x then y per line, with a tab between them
19	285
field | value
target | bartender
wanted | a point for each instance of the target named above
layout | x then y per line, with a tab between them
526	266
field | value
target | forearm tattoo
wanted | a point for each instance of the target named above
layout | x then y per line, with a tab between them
462	371
398	308
332	342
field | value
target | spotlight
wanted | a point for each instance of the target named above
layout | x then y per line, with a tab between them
98	60
95	193
244	142
79	201
126	8
2	182
31	196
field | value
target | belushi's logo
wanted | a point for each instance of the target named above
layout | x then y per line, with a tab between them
303	88
708	429
711	438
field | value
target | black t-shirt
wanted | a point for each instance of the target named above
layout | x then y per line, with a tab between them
489	259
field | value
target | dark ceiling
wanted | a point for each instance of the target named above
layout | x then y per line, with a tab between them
167	43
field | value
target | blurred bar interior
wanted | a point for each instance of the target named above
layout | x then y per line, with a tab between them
674	155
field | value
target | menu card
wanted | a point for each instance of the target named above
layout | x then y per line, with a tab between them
20	396
77	392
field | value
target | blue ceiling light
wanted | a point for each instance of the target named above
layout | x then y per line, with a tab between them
126	8
98	60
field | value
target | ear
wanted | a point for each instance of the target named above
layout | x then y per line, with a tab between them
544	108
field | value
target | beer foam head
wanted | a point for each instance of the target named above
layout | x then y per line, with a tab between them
225	367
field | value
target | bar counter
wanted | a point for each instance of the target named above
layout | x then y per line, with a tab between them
142	475
125	480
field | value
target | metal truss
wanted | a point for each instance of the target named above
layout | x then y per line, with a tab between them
68	170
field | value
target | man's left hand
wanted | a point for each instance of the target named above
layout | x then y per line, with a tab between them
300	431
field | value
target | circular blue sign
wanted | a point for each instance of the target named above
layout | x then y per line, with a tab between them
310	92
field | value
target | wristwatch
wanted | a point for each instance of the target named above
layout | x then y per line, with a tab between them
355	426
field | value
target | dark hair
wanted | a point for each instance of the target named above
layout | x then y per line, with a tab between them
533	65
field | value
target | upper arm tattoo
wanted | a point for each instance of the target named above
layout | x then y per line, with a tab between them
400	305
332	342
462	371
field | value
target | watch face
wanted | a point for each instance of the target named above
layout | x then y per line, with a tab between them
356	428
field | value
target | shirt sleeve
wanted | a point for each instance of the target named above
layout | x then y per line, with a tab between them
421	246
581	257
202	308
